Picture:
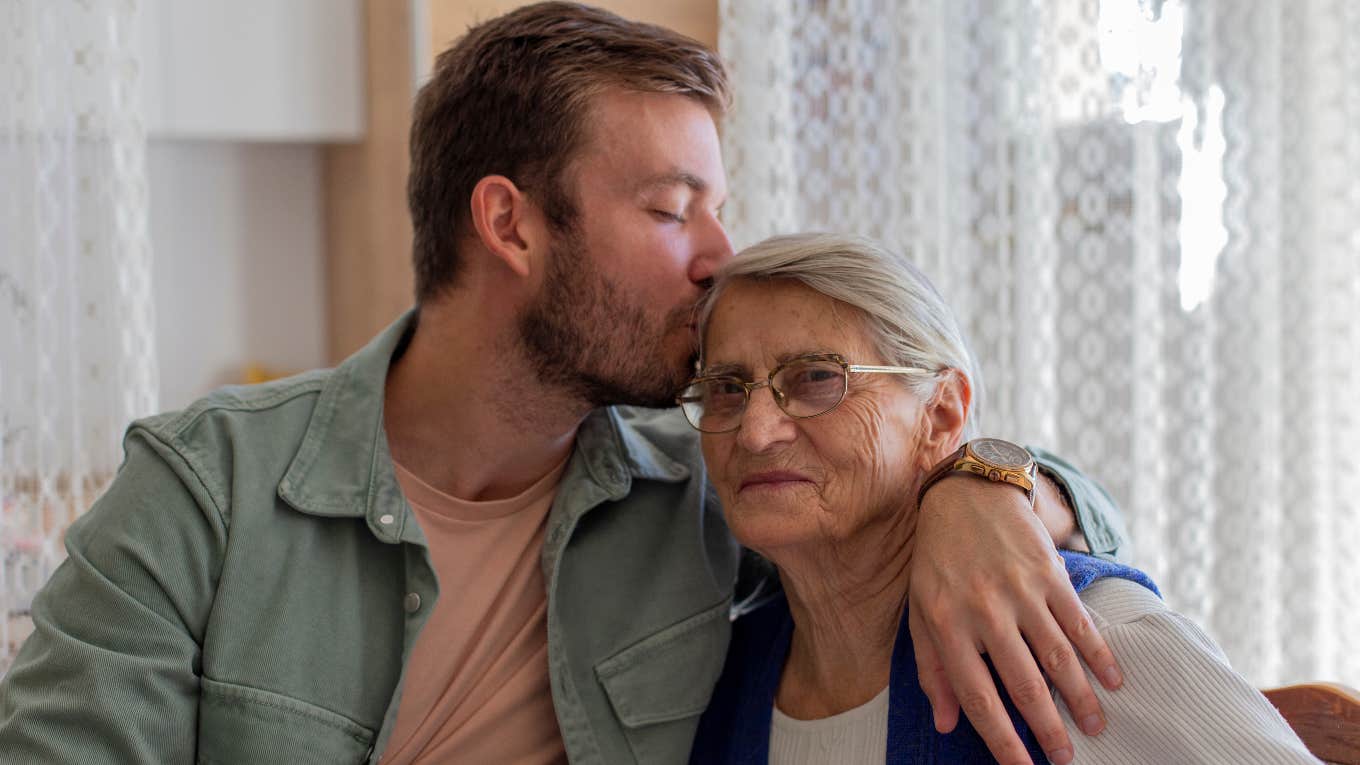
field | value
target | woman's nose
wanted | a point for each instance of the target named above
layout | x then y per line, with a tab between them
764	426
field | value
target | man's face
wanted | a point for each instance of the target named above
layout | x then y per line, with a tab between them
614	320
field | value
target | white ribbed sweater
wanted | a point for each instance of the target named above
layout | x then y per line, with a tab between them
1180	702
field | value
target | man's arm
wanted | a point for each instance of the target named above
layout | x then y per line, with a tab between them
986	579
1083	506
111	672
1055	512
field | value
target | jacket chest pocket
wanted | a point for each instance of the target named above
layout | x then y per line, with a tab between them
659	686
238	724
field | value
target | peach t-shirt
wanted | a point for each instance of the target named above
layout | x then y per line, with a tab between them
476	687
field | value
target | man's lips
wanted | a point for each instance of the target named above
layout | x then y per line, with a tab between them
772	479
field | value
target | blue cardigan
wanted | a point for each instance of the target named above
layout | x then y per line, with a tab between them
736	727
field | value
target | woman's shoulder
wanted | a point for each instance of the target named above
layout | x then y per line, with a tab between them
1116	600
1138	623
1138	615
1085	569
1181	699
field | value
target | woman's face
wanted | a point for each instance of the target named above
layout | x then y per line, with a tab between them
787	482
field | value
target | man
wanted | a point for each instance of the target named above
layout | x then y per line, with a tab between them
458	545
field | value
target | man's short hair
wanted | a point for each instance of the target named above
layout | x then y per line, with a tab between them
511	98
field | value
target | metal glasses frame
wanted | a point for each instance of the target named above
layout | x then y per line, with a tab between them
779	398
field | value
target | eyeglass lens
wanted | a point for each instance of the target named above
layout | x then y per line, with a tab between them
802	388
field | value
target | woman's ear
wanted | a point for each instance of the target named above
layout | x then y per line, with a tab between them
945	416
506	222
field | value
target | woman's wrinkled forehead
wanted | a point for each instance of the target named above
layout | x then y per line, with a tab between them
768	321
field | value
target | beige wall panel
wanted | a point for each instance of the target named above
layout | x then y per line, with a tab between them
368	229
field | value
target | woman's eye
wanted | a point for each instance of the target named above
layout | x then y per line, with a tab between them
812	381
724	397
721	389
814	376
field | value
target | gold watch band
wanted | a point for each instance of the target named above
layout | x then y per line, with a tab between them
963	460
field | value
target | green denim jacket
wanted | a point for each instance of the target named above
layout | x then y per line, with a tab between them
251	585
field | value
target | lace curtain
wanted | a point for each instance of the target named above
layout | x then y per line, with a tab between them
1148	216
77	358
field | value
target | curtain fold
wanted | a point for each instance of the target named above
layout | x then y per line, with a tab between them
77	353
1147	215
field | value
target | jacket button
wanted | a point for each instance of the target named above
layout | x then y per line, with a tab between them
412	602
386	519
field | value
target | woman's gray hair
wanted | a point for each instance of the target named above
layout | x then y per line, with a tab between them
910	323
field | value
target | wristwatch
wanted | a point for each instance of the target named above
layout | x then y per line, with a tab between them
989	458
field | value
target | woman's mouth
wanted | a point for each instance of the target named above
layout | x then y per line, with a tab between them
772	479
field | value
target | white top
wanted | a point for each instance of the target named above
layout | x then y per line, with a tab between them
1180	701
856	736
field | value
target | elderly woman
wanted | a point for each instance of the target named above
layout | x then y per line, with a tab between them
828	364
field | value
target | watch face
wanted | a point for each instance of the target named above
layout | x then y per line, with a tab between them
1001	453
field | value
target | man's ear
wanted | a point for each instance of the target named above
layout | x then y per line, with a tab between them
505	222
945	415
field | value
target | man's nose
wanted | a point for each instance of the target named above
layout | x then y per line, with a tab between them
764	426
712	249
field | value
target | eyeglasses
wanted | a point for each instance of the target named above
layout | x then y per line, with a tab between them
803	387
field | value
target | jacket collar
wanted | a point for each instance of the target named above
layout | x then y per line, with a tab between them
615	452
344	467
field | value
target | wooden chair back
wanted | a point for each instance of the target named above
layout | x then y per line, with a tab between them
1325	715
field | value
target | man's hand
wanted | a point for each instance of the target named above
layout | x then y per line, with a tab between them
986	578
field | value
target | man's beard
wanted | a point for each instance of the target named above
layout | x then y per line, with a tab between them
584	336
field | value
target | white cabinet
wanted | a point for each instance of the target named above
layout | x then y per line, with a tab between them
254	70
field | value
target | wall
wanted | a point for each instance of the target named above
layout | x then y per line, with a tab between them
259	70
240	231
236	232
